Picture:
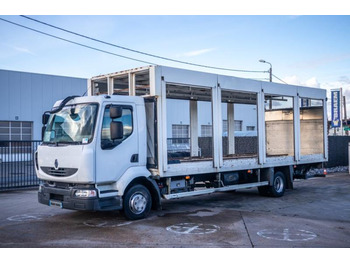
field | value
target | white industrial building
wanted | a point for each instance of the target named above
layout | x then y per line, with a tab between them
26	96
245	119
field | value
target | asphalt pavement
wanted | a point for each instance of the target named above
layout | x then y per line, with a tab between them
315	214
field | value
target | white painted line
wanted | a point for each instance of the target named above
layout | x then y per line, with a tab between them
27	217
106	223
192	228
287	234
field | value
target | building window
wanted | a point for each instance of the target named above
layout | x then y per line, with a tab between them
238	126
224	127
250	128
206	131
16	130
180	131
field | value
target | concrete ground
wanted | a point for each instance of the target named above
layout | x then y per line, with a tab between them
315	214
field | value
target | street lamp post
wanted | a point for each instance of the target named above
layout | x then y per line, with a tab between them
270	70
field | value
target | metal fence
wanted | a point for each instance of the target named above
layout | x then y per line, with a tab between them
17	159
17	164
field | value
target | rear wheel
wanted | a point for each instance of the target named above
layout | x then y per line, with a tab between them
137	202
279	185
277	188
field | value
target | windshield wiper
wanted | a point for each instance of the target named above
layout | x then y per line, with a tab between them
58	143
74	143
68	143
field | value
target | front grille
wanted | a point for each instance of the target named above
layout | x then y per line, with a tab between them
56	197
59	172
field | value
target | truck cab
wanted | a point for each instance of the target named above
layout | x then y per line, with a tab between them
93	148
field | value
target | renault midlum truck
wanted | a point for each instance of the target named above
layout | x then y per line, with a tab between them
153	133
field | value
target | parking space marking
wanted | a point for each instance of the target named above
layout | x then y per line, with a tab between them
27	217
192	228
206	213
287	234
106	223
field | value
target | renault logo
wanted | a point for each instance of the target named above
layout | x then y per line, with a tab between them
56	164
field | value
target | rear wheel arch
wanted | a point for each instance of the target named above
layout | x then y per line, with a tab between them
288	172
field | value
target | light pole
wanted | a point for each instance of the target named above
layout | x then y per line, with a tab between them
270	71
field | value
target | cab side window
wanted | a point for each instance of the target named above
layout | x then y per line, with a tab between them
126	119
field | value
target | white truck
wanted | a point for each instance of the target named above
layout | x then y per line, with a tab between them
155	132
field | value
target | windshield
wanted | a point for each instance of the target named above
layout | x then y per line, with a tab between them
73	124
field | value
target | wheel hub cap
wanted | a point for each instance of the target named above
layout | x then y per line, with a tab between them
278	184
138	203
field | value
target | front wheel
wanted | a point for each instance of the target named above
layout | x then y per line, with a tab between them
137	202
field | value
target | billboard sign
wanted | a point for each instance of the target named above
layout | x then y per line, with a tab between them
336	102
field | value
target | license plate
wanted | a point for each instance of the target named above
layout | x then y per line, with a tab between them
55	203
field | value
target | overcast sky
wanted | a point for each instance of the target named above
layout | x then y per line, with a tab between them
305	50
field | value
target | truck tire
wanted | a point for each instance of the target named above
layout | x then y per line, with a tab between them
137	202
277	188
279	185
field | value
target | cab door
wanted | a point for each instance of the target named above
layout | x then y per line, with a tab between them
113	158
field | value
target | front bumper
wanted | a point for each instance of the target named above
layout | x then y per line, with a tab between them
66	197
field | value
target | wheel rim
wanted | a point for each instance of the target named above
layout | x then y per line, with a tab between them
278	184
138	203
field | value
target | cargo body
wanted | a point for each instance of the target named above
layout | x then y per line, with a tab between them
159	132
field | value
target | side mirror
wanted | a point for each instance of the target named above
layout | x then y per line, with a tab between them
45	118
115	112
117	130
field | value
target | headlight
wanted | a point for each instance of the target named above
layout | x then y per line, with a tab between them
85	193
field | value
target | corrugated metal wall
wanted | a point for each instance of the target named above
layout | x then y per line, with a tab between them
25	96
